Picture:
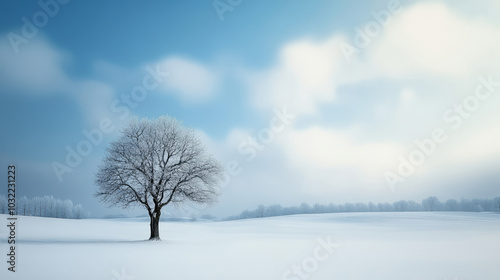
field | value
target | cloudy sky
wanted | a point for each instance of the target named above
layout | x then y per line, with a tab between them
303	101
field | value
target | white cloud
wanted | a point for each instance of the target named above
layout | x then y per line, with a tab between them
38	68
475	142
188	79
407	95
303	77
429	39
318	147
314	161
426	40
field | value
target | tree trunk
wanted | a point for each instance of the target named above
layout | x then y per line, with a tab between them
154	225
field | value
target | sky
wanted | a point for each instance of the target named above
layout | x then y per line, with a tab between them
302	101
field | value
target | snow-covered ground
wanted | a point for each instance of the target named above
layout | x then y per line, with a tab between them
385	246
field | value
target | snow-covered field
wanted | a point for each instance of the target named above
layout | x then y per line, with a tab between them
372	246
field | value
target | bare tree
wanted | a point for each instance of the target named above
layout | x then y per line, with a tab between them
155	163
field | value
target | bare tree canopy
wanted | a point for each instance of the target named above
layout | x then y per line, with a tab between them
155	163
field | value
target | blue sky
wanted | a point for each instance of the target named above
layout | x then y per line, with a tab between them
355	114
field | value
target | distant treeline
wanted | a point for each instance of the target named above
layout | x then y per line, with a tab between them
429	204
46	206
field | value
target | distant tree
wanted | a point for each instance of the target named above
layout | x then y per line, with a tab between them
51	205
428	204
349	207
67	209
385	207
290	210
414	206
482	204
42	206
361	207
155	163
400	206
332	208
35	203
23	207
490	205
58	210
317	208
274	210
341	208
452	205
260	211
304	208
431	203
78	212
245	215
372	207
466	205
476	205
389	207
46	206
380	207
